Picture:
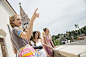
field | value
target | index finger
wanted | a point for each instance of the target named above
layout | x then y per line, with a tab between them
36	10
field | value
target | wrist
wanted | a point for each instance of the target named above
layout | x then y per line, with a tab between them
33	17
31	20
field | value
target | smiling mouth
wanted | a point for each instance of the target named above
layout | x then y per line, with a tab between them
19	23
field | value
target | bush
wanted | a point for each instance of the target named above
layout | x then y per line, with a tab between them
57	42
68	38
53	38
75	37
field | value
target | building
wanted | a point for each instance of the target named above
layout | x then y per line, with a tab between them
25	18
6	11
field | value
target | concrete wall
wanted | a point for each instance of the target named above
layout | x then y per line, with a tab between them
5	12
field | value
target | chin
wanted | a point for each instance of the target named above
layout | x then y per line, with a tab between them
20	25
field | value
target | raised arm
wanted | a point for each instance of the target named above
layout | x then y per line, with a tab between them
27	35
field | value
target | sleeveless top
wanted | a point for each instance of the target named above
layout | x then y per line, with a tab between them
16	40
48	39
39	44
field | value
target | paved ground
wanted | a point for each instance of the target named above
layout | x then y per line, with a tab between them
74	49
79	42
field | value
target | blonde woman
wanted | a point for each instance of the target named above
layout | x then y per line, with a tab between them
19	38
47	39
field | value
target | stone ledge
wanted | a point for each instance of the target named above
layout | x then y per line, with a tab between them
69	50
2	32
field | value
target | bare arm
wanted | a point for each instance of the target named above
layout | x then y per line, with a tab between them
14	49
30	28
45	40
37	51
52	42
47	46
46	43
44	48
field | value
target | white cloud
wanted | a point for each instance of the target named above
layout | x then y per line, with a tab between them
57	15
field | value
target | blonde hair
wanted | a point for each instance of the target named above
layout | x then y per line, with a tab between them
12	18
43	33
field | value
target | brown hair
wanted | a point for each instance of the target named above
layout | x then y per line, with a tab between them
34	36
31	39
43	33
12	18
39	35
44	29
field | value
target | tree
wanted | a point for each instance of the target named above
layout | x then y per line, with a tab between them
68	38
75	37
57	36
57	42
53	38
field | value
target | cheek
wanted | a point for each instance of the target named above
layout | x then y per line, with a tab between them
21	21
16	21
48	31
37	36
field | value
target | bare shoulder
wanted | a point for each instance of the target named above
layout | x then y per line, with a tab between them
50	34
44	36
39	39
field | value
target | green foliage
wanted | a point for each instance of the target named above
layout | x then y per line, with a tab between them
62	37
67	32
68	38
53	38
57	36
70	33
75	37
57	42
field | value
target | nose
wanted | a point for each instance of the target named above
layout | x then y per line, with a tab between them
20	20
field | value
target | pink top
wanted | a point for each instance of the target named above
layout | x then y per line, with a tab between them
48	40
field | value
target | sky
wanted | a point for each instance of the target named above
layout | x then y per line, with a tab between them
58	16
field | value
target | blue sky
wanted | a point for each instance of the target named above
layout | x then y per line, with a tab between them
58	16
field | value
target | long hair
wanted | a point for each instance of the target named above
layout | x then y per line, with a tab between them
34	36
31	39
39	35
